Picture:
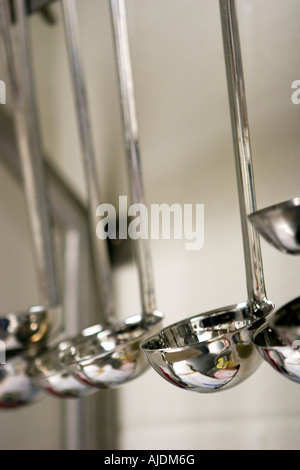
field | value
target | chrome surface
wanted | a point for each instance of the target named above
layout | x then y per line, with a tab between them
111	357
191	353
206	353
100	248
80	418
21	330
284	358
48	374
18	64
45	369
243	155
141	246
286	322
279	225
16	387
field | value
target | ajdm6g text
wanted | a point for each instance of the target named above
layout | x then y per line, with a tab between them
155	460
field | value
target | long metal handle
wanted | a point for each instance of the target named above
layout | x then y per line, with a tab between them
122	51
100	248
243	159
18	63
72	410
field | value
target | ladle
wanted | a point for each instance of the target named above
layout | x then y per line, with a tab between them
17	389
28	328
278	353
47	369
280	225
99	246
112	357
214	351
278	341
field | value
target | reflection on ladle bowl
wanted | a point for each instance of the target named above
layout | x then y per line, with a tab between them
284	358
286	321
20	330
280	225
49	375
16	387
111	357
206	353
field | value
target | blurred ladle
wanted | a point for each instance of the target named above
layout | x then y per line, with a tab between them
214	351
112	357
35	325
17	389
47	369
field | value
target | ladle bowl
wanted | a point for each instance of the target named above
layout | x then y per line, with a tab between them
279	225
206	353
48	373
284	358
286	321
16	387
111	357
20	330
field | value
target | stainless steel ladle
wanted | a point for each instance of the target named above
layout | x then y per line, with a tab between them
31	328
214	351
111	357
35	325
283	357
284	324
279	225
17	389
47	370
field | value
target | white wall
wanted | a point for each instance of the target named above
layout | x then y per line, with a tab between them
187	157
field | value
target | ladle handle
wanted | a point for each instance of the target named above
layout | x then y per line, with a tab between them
130	124
18	63
100	248
242	148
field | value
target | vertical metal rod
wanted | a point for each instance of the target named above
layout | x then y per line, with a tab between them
18	62
100	248
73	410
130	124
243	158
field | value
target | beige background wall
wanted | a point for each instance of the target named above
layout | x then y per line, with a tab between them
187	157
